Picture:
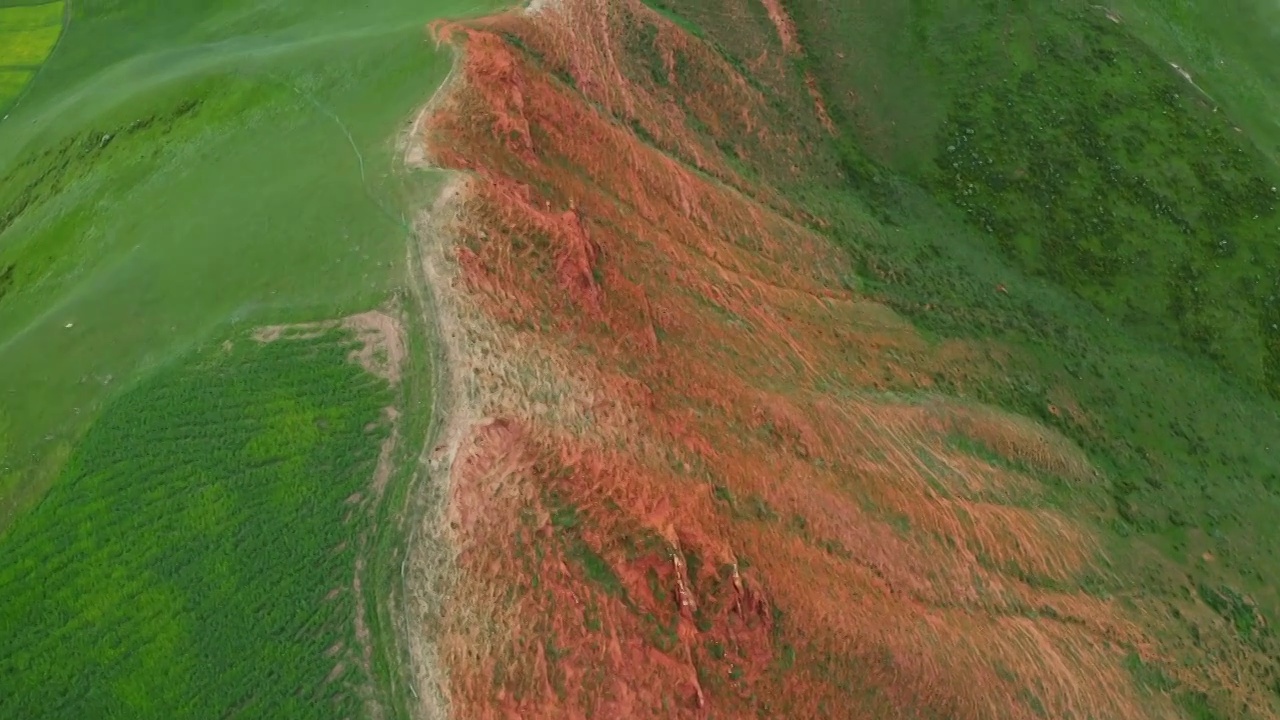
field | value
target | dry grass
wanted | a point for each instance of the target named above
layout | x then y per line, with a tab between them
656	371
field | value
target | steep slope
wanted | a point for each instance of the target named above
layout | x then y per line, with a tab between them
690	469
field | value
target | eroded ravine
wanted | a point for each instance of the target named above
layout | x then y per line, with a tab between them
676	481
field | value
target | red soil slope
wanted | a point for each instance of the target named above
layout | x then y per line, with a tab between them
693	474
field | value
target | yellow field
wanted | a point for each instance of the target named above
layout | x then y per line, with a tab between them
12	82
27	36
27	48
30	17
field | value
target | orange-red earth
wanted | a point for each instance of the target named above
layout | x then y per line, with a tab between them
688	472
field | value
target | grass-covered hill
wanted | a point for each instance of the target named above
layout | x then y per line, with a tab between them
809	358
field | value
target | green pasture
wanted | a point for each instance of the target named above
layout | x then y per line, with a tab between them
184	165
1060	153
27	48
12	82
195	557
173	515
1230	49
20	17
1077	147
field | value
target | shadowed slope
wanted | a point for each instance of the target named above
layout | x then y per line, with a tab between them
690	470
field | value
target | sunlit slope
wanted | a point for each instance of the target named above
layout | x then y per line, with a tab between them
754	418
181	165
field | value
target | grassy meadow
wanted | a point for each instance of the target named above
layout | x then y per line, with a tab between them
174	169
195	556
12	82
174	515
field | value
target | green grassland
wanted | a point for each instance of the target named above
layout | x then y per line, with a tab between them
36	16
1087	159
12	82
195	556
1230	46
172	516
176	167
27	47
1135	232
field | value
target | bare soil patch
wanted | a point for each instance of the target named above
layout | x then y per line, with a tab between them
381	335
684	469
649	374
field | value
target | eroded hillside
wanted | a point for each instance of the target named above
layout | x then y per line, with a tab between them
689	470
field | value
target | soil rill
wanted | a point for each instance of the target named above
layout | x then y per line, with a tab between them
690	472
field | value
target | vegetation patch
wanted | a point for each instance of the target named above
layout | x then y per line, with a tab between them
195	557
42	177
28	47
685	24
1089	244
568	521
28	33
1094	163
11	83
22	17
1238	610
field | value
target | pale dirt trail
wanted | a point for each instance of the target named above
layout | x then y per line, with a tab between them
428	571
